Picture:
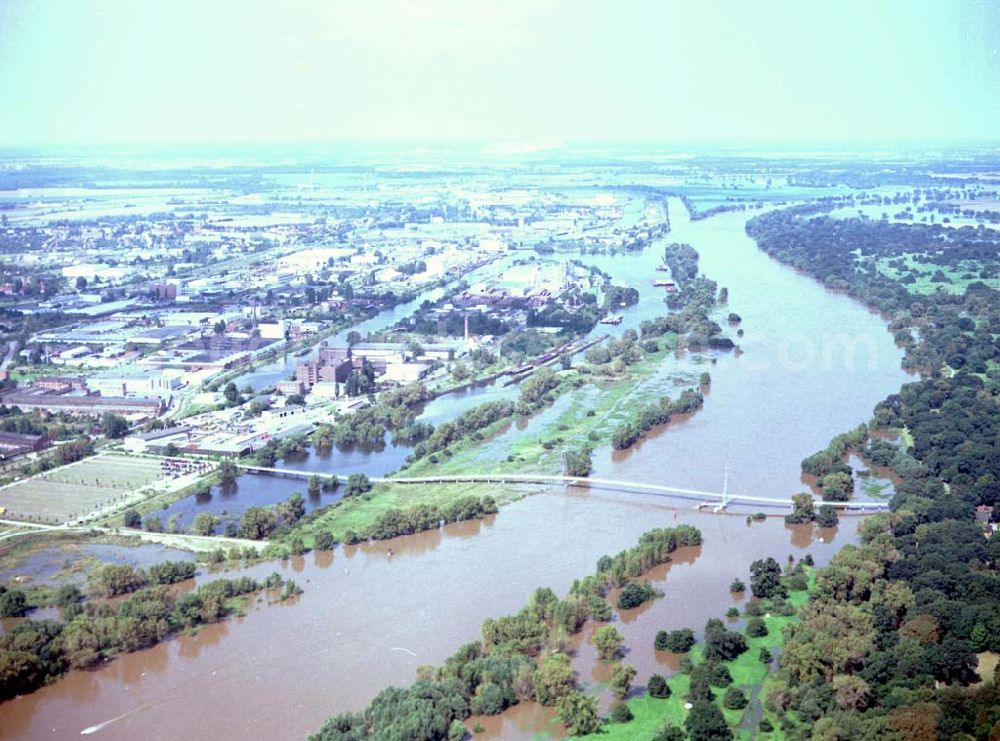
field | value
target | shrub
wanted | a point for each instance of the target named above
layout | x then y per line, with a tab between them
670	733
634	594
456	731
827	516
621	678
734	699
608	641
756	628
13	603
719	676
352	538
677	641
130	518
737	586
171	572
324	542
658	687
620	713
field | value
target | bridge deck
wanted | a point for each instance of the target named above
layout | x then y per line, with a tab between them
548	479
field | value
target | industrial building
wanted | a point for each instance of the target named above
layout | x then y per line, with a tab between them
15	444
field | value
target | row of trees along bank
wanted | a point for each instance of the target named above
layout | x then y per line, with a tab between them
35	652
520	657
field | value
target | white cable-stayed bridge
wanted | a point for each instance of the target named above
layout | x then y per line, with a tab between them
710	499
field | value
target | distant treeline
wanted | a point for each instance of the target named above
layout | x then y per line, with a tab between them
952	412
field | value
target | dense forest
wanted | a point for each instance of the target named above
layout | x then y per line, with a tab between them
949	336
889	645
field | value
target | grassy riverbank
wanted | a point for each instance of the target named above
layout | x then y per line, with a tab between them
359	513
582	411
749	674
39	562
161	500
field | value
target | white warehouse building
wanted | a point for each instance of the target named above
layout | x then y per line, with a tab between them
160	385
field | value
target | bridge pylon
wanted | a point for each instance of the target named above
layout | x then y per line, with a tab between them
724	502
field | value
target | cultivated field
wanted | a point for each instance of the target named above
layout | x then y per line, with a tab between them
72	491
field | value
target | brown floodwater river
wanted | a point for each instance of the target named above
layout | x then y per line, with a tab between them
813	364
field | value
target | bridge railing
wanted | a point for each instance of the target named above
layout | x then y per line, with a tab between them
499	478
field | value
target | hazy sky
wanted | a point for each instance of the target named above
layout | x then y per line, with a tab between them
88	71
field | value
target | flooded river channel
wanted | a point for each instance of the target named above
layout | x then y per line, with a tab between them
813	364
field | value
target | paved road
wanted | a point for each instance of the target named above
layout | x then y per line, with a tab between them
174	540
11	351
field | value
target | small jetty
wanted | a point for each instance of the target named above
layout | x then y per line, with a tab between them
663	283
616	319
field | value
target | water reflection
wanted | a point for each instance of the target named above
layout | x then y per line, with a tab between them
85	689
338	646
323	559
229	502
154	661
827	534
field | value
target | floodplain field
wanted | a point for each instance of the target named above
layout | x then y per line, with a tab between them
70	492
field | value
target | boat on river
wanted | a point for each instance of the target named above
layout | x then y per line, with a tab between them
616	319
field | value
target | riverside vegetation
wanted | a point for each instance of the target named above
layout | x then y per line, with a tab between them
108	622
715	695
950	415
890	644
618	367
520	657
